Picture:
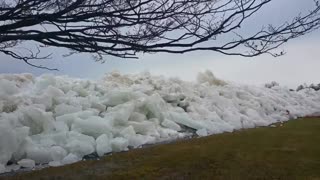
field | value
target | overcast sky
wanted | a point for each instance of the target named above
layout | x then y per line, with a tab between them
300	65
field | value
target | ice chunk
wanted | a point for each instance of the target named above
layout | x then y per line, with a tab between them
168	133
27	163
12	167
135	140
155	121
103	145
183	118
145	128
202	132
2	168
7	88
62	109
21	135
48	97
98	106
154	107
80	148
170	98
48	140
135	116
61	126
121	113
115	98
208	77
81	91
44	100
55	163
69	118
53	92
119	144
1	106
8	143
87	113
37	119
171	125
45	81
80	144
70	158
127	132
40	155
93	126
58	153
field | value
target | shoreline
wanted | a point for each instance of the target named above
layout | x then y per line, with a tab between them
22	171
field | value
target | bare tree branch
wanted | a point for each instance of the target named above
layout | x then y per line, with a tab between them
123	28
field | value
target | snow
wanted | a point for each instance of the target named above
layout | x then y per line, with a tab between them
58	120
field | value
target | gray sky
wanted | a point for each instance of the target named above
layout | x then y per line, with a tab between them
300	65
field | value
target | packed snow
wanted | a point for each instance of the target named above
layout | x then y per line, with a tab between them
57	120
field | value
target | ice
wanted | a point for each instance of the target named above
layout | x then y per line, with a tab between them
55	163
69	118
138	117
202	132
171	125
8	143
80	144
12	167
62	109
2	168
103	145
27	163
57	153
21	135
145	128
183	119
61	126
135	140
119	97
81	91
45	81
154	107
208	77
58	120
37	119
168	133
54	92
93	126
121	113
8	88
44	100
119	144
40	155
69	159
98	106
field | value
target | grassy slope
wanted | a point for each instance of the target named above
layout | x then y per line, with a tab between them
291	151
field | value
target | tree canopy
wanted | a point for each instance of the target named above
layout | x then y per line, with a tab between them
123	28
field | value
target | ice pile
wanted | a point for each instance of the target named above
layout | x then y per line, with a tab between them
58	120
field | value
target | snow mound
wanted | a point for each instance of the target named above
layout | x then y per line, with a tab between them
58	120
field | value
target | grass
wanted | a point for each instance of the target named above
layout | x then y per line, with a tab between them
291	151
